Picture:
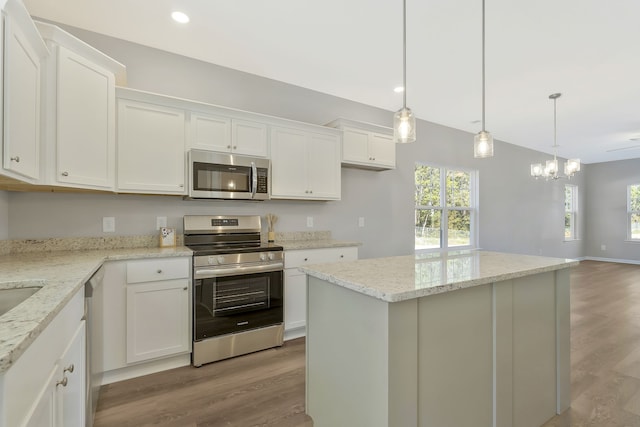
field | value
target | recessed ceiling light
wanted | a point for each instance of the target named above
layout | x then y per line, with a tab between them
398	89
180	17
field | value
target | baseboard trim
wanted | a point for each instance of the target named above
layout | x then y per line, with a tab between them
292	334
146	368
620	261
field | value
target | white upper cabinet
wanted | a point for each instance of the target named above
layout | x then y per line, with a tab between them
150	145
228	135
23	54
365	145
305	164
80	112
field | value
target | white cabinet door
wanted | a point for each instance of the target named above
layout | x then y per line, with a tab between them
355	146
295	299
382	150
151	156
249	138
44	409
70	391
209	132
22	102
157	319
288	163
227	135
323	159
85	125
304	165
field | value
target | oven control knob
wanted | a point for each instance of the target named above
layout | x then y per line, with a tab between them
270	256
211	260
220	259
263	257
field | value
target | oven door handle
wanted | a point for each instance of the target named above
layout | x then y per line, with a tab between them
205	273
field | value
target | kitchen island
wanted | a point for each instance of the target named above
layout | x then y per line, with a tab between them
462	338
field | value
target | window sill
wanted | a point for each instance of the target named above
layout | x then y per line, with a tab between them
632	240
570	240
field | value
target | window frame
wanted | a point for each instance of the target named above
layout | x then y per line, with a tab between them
630	213
573	212
444	209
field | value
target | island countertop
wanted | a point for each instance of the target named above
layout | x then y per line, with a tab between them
401	278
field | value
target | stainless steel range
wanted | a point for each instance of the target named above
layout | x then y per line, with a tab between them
238	292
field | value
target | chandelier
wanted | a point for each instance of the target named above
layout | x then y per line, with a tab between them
550	169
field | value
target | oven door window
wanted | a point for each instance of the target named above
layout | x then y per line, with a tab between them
231	304
214	177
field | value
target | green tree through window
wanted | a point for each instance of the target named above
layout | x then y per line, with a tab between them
444	208
633	212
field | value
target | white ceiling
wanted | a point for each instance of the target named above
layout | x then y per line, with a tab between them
589	50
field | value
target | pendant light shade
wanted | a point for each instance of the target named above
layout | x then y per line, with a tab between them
483	141
404	126
404	122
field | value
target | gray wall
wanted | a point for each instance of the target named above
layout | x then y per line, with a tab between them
607	209
4	215
518	214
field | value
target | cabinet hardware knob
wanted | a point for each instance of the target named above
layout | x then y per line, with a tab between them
159	271
306	259
69	369
181	185
15	159
235	147
63	383
184	289
65	174
341	256
228	146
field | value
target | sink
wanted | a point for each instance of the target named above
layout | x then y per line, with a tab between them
11	297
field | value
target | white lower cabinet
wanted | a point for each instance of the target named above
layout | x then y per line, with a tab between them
150	335
295	282
46	384
147	316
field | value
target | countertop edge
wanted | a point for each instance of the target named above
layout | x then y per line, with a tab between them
417	293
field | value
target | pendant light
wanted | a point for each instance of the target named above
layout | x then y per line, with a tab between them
551	170
483	141
404	122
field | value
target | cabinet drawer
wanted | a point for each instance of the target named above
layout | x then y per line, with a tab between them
153	270
294	259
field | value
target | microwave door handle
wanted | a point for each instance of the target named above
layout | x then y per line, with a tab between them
254	179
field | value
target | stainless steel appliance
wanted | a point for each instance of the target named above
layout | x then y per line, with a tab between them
227	176
238	295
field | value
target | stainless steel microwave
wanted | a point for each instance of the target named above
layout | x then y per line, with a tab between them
227	176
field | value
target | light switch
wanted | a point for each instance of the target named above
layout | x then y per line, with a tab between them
108	224
309	221
361	221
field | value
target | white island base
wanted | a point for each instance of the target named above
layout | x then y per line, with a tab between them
495	354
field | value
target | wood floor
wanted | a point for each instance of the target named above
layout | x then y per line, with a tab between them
267	388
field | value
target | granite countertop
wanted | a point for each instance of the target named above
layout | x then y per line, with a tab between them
293	245
61	274
407	277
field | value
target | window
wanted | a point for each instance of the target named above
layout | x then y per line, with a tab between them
570	211
445	208
633	212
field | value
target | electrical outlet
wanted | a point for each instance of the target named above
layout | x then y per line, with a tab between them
603	247
161	221
108	224
309	221
361	221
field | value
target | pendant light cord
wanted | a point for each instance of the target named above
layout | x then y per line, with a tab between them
555	139
404	53
483	82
